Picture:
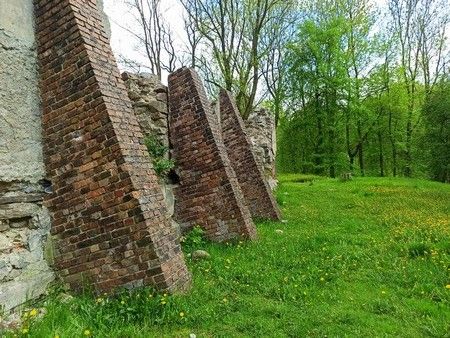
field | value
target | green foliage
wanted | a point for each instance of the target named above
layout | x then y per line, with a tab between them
194	239
158	153
354	104
341	267
437	135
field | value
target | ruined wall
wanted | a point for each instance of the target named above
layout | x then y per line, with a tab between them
254	186
209	194
149	98
24	221
261	130
108	215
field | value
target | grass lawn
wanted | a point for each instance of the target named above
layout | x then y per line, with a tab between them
366	258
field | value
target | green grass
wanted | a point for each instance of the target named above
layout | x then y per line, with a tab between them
366	258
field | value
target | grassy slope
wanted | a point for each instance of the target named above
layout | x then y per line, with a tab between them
369	257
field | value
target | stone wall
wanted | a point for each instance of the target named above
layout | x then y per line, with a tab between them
261	130
149	98
24	221
209	194
108	215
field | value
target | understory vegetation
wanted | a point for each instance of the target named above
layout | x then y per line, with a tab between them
366	258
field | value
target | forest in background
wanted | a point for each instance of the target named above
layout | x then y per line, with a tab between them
356	86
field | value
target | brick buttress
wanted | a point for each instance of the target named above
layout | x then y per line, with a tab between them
209	194
108	216
255	188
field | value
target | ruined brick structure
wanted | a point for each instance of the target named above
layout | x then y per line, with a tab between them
79	198
107	209
255	188
209	194
149	98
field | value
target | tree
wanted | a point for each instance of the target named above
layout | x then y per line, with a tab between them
420	27
238	35
154	35
437	126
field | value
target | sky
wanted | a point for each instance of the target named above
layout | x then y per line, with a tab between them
123	43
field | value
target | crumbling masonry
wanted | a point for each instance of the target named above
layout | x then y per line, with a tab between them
78	194
257	194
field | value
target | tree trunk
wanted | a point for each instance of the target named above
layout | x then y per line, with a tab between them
381	154
361	150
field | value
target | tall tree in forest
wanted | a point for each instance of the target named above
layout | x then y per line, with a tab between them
420	27
239	36
154	36
437	136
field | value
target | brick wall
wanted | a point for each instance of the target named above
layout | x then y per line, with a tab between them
107	210
257	193
209	194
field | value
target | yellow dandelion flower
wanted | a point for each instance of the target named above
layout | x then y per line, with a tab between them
122	302
99	300
87	332
383	292
322	279
447	286
225	300
33	313
56	336
181	314
163	302
24	330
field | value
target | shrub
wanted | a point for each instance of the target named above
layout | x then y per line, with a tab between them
158	152
194	239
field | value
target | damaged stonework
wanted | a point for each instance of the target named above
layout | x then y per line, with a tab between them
24	222
149	100
261	130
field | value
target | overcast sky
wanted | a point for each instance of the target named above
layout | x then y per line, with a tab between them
123	43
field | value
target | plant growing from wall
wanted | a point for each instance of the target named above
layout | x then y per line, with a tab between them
158	152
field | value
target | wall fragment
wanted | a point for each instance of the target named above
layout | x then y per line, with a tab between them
209	194
108	215
254	186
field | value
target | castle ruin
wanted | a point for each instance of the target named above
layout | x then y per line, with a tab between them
79	199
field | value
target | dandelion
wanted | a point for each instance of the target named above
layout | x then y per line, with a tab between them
322	279
163	302
383	292
99	300
56	336
24	330
33	313
225	300
447	286
122	302
87	332
181	314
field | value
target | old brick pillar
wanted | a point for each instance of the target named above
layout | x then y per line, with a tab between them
209	194
107	210
257	193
